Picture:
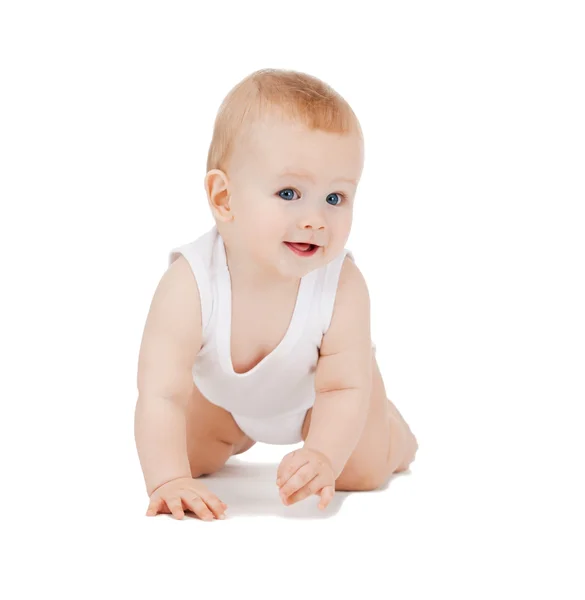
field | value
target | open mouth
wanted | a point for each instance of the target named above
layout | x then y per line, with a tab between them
302	249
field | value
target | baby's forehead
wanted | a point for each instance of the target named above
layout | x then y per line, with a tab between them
283	146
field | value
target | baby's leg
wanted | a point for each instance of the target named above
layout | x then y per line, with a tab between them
212	436
248	443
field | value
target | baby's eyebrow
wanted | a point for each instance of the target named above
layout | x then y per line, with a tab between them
303	175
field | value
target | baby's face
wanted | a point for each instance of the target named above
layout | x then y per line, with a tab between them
291	184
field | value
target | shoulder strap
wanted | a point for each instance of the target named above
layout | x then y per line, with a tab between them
330	282
200	272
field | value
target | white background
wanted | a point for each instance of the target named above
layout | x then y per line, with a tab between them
468	228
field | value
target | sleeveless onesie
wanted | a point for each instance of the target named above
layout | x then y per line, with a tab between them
269	402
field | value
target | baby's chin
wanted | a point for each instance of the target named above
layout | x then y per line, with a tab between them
291	265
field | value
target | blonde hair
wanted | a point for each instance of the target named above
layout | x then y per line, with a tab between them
298	96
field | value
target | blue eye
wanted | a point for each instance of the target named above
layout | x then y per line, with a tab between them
290	196
286	190
333	195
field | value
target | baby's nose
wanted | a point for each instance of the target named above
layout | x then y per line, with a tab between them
313	220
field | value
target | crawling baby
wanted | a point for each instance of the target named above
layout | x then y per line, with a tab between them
259	330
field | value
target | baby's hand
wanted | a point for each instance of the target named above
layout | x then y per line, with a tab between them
304	472
185	492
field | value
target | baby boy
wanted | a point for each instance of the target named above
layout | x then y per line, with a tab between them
259	330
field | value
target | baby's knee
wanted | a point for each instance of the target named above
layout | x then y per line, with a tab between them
209	456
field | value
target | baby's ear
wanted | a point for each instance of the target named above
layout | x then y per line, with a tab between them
216	187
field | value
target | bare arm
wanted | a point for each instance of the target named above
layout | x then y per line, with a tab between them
343	378
170	343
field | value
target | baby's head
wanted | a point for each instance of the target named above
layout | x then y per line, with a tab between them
284	163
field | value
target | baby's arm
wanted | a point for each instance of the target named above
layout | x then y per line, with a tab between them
170	343
343	378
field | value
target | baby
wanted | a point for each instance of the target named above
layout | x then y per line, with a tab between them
259	330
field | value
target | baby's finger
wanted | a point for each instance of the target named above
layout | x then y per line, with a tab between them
196	504
290	464
305	474
215	504
327	494
312	487
153	507
176	507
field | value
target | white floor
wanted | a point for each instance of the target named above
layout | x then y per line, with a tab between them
456	525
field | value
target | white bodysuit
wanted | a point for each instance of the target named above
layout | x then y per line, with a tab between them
270	401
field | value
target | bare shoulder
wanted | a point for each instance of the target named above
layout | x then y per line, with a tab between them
352	286
176	299
350	323
172	332
345	354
